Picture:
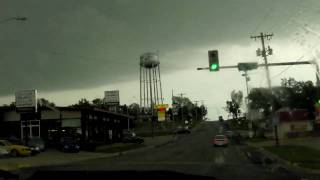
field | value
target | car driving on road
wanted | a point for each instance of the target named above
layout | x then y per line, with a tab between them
220	140
130	137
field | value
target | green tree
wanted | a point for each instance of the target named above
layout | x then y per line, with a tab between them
134	109
98	102
45	102
261	100
291	93
233	106
82	103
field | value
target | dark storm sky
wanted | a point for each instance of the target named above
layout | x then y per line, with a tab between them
81	44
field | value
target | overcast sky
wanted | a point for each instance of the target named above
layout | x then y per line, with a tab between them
79	48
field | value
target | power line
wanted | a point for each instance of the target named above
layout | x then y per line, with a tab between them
267	15
287	20
299	59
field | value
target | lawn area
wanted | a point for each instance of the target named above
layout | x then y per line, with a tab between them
303	156
119	148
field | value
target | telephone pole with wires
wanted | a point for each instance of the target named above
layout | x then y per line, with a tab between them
265	52
181	105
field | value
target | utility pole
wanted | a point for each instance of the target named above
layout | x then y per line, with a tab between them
181	105
196	102
264	54
247	78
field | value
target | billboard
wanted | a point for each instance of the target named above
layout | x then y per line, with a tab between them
112	97
161	109
26	100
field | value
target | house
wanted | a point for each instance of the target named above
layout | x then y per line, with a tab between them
292	123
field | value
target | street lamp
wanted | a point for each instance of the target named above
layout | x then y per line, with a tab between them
17	18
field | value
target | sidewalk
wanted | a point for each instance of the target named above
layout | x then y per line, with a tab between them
55	157
49	157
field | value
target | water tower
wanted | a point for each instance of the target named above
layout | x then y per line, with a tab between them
150	81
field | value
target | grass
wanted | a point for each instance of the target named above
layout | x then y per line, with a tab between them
121	148
303	156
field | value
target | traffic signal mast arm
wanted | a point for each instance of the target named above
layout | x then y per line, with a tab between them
260	65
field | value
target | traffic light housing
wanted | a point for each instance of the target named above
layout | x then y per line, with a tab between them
213	60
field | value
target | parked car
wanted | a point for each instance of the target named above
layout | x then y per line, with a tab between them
4	152
130	137
36	144
15	149
220	140
69	144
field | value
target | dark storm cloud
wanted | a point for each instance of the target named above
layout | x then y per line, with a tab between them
82	44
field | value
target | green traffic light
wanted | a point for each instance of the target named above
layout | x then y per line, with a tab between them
319	101
214	66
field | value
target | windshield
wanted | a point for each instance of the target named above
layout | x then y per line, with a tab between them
228	89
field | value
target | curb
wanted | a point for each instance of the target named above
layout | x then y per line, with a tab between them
284	163
288	164
17	166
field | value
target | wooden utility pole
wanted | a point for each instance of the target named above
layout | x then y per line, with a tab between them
264	53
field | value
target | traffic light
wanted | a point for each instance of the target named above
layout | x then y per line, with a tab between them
213	60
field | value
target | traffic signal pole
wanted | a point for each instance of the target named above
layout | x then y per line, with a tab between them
262	65
269	82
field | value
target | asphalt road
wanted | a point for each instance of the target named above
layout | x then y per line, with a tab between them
191	154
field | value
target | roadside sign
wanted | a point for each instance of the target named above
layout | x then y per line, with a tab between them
26	100
112	97
161	109
247	66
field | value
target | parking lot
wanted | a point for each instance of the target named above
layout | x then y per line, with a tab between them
49	157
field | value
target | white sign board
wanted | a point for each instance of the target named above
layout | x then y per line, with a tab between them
26	99
112	97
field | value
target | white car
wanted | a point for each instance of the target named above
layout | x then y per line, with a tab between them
4	152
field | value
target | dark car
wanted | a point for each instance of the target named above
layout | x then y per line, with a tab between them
182	130
37	145
130	137
69	144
